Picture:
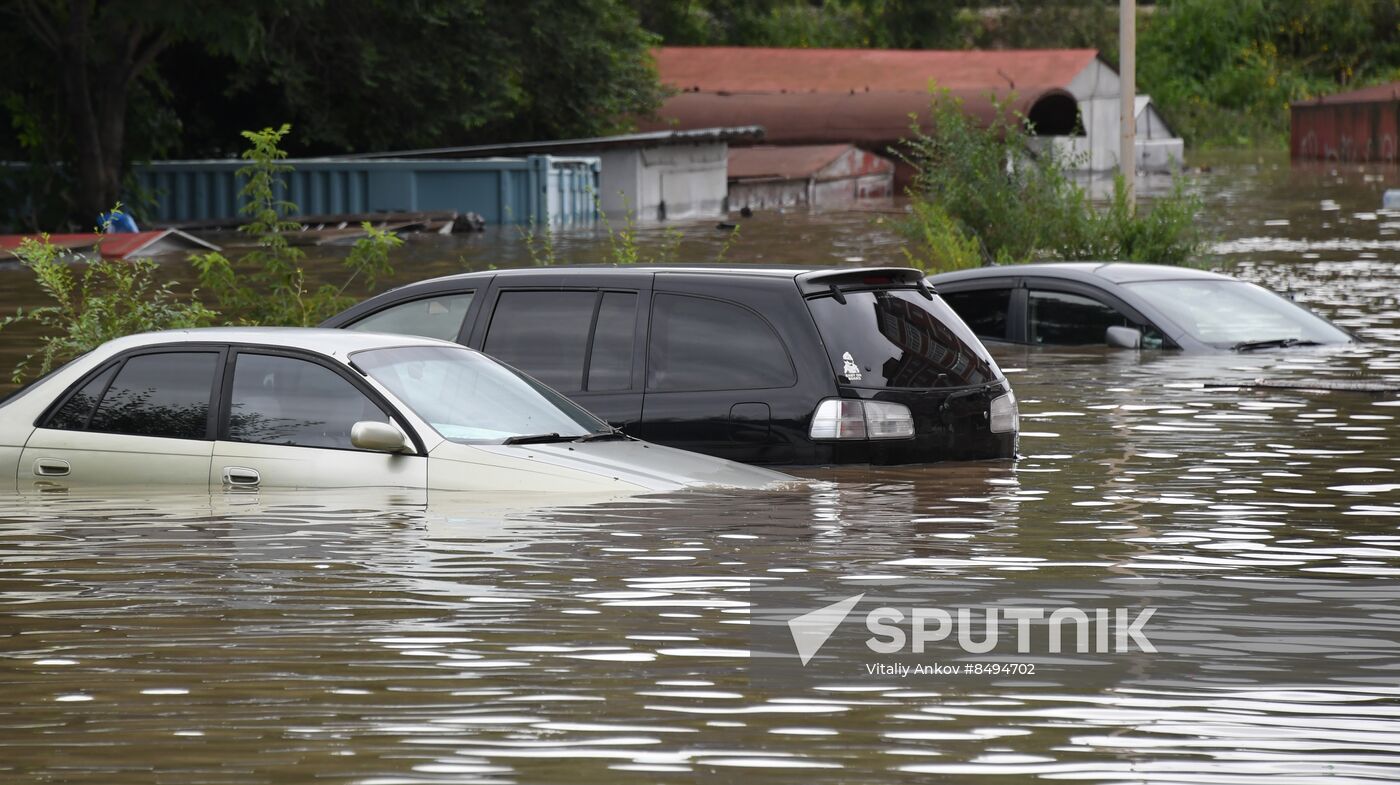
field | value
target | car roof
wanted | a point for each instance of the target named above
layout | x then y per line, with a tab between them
1115	272
787	271
324	341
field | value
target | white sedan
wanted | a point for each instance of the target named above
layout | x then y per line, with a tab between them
304	408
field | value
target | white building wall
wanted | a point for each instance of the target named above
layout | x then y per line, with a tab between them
1097	88
665	182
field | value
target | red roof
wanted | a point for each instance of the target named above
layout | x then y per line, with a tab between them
1366	95
118	245
759	69
864	96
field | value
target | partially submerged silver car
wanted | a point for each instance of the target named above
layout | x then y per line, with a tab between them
306	408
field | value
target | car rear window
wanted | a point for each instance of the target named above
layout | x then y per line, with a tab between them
899	338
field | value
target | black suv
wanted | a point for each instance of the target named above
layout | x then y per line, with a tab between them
764	365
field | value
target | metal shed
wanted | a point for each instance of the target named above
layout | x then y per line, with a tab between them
536	189
1361	125
819	176
654	176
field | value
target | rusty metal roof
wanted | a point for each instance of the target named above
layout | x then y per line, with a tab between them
870	119
865	96
1366	95
798	162
737	69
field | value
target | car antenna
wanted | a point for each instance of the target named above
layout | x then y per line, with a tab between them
836	292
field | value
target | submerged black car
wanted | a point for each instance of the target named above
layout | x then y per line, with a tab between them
778	366
1146	306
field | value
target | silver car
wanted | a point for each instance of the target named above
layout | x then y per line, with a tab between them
305	408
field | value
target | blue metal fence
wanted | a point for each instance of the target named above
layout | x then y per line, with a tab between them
543	189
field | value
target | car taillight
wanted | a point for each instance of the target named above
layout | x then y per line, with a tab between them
1004	414
846	418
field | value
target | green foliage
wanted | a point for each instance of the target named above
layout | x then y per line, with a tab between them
89	87
268	285
984	194
1224	73
898	24
935	241
108	299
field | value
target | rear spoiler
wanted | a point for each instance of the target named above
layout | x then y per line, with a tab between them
836	281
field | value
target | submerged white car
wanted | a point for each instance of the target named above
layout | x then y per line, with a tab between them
306	408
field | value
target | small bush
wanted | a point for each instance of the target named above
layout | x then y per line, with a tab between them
268	284
108	299
986	189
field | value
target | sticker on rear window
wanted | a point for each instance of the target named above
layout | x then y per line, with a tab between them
849	369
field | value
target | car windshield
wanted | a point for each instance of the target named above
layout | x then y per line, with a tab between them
899	338
470	398
1228	314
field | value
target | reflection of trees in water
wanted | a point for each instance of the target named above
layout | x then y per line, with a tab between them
132	412
259	428
74	414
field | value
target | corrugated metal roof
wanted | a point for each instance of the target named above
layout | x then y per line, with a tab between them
794	162
872	119
1366	95
761	69
742	133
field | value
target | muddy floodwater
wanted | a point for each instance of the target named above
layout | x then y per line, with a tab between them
356	638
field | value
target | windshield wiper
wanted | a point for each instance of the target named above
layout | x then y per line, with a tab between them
537	438
601	435
1273	343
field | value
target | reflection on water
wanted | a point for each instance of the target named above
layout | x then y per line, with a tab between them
249	638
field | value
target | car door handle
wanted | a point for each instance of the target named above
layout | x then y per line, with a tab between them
241	476
51	467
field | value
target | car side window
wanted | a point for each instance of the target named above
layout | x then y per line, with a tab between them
614	339
702	344
984	310
431	317
74	414
294	402
165	395
544	334
1069	319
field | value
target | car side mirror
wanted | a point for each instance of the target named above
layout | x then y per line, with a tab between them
381	436
1124	337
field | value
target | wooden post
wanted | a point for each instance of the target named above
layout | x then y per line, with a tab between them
1127	76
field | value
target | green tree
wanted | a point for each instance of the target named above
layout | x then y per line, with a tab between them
77	68
93	84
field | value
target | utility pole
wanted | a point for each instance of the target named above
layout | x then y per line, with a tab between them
1127	77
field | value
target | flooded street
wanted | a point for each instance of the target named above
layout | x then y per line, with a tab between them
247	638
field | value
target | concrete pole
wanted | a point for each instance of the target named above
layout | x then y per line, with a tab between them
1127	75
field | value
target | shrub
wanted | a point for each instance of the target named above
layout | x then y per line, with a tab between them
108	299
986	191
268	284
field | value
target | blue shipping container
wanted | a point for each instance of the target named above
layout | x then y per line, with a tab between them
541	189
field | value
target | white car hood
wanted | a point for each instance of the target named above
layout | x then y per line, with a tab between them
603	465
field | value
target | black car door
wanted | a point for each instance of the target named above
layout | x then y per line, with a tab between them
576	333
719	377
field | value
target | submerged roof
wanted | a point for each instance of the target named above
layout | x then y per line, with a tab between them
766	69
865	96
1378	94
798	162
742	133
